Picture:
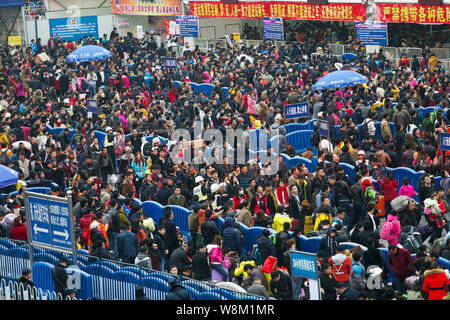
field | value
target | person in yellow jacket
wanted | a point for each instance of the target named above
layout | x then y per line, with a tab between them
324	215
240	272
432	62
279	219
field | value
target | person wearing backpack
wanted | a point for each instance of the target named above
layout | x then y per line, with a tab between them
391	229
368	127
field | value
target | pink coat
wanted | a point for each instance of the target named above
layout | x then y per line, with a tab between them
407	191
215	254
393	239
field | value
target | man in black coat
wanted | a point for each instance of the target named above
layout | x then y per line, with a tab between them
60	276
209	228
200	264
265	246
179	258
371	218
25	279
281	285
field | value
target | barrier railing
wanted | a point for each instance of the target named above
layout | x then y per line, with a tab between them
97	278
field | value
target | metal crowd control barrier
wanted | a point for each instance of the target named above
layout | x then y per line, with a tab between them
106	280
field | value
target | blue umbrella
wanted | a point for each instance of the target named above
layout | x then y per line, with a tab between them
8	176
339	79
349	56
88	53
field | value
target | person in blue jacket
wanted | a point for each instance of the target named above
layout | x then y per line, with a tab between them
127	245
328	244
231	235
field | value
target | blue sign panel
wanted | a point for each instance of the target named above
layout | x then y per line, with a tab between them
323	128
75	28
304	265
92	105
372	33
11	3
445	141
298	110
49	221
60	224
188	26
39	221
273	28
170	63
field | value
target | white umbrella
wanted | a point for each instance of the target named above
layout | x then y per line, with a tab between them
16	144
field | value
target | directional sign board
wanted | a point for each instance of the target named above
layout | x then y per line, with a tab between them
50	221
304	265
298	110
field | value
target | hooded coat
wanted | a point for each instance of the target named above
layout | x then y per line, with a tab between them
231	235
327	245
341	267
435	284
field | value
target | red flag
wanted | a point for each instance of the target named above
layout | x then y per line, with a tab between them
166	25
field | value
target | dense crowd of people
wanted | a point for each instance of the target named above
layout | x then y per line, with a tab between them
137	98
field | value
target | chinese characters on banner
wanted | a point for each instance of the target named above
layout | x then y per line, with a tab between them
445	141
413	13
285	10
299	110
147	8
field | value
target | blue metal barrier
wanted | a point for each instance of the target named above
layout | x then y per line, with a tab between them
300	140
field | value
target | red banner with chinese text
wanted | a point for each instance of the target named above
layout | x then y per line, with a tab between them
285	10
413	13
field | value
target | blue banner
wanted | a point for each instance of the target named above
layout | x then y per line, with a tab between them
304	265
49	221
39	221
92	105
324	128
11	3
273	28
188	26
74	28
298	110
372	33
170	63
445	141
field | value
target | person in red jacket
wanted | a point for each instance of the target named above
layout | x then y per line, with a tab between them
19	230
435	283
389	190
341	266
399	260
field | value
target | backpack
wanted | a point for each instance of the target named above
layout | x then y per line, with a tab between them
411	239
257	257
4	159
371	194
315	139
365	130
388	230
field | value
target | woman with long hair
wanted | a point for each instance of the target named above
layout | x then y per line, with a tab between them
139	167
216	256
388	188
